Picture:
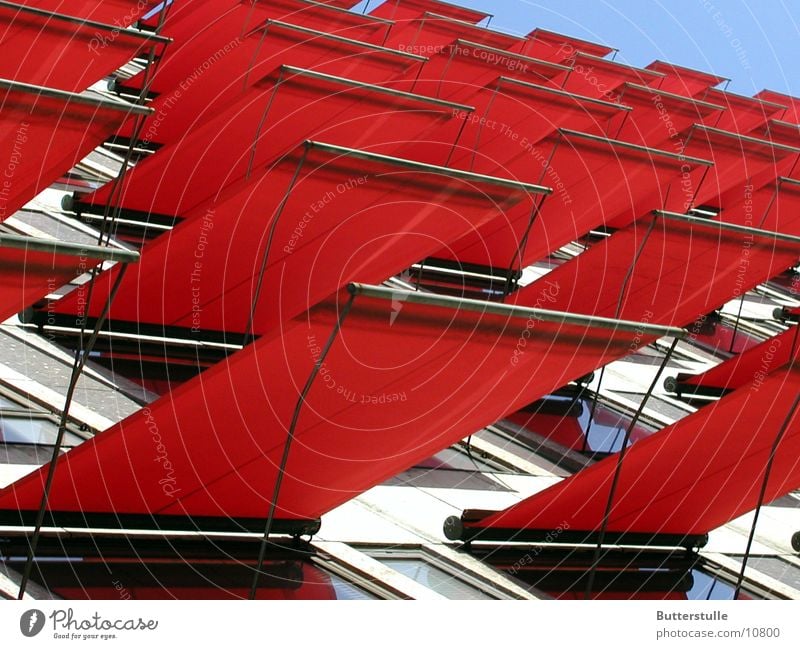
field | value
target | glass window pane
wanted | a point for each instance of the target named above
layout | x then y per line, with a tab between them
192	578
709	587
6	404
434	578
562	420
451	458
775	567
649	579
25	453
19	429
346	590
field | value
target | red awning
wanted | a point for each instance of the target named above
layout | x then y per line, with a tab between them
110	12
31	268
742	114
601	78
558	48
283	109
754	364
739	161
511	117
780	214
689	478
384	400
684	81
63	52
772	206
431	33
595	181
323	215
792	112
404	10
463	68
212	37
659	118
45	133
197	94
782	133
667	268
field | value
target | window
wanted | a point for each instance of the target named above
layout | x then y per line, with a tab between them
452	468
435	574
7	404
190	578
27	436
32	429
709	586
777	568
577	424
563	573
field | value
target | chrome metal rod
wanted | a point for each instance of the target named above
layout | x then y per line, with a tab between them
513	311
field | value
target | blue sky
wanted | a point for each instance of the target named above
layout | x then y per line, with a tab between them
755	43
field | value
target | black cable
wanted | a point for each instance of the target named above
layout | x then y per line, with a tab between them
736	324
80	361
83	351
523	244
618	471
595	397
617	311
290	438
109	216
763	492
248	332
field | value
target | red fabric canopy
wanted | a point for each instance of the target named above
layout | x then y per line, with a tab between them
595	181
49	50
215	35
200	93
463	68
689	478
682	269
558	48
402	381
739	161
792	112
349	215
431	33
771	206
28	273
659	118
600	78
684	81
754	364
404	10
44	133
287	107
742	114
121	13
741	164
781	133
511	117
